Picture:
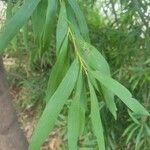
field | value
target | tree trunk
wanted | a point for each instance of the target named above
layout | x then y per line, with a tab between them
11	136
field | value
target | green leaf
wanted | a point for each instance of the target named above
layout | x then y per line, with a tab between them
96	119
80	18
49	24
82	109
93	57
72	21
109	98
75	116
96	61
94	82
121	92
62	27
13	26
58	71
54	106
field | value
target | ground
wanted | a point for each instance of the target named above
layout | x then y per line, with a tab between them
27	116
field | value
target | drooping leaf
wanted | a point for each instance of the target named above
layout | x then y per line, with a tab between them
62	27
13	26
93	57
75	116
58	71
82	110
54	106
94	82
121	92
109	98
96	119
96	61
72	21
80	18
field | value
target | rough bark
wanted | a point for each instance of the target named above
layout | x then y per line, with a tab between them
11	136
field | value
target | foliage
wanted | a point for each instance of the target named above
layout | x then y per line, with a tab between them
80	76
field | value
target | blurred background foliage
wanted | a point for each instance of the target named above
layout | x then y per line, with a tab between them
120	30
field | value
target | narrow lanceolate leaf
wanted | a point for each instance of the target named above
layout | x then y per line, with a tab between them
58	70
96	119
62	27
80	18
82	110
72	21
93	57
121	92
54	106
49	24
109	98
16	22
74	116
96	61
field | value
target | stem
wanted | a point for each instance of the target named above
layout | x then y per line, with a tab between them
77	51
